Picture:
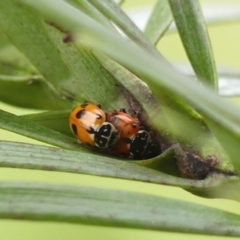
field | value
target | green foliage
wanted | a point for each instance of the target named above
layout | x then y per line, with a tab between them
67	52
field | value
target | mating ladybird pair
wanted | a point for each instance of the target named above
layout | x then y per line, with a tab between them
115	130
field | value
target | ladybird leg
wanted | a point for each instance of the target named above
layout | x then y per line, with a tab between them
99	116
99	105
133	125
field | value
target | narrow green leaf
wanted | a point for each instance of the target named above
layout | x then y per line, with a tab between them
193	32
13	63
19	76
35	93
3	41
28	156
87	7
111	10
57	120
32	130
108	207
159	21
22	155
224	15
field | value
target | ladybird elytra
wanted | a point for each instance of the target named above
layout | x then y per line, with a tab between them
124	123
88	123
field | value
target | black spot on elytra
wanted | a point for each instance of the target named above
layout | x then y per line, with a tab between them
99	116
134	125
90	130
74	129
80	114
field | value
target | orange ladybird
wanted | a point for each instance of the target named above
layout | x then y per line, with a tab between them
133	141
124	123
88	123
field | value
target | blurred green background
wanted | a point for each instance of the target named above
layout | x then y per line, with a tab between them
225	42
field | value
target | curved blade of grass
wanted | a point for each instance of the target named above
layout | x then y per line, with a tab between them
108	207
12	62
28	156
213	17
87	7
27	87
22	155
111	10
3	41
30	92
193	32
56	120
228	78
157	73
159	21
19	125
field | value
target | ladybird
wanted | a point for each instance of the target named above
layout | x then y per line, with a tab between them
88	123
133	141
126	125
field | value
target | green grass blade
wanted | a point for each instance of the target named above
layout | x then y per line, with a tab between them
28	156
229	16
35	93
19	76
87	7
111	10
108	207
57	120
19	125
159	21
3	41
193	32
12	62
